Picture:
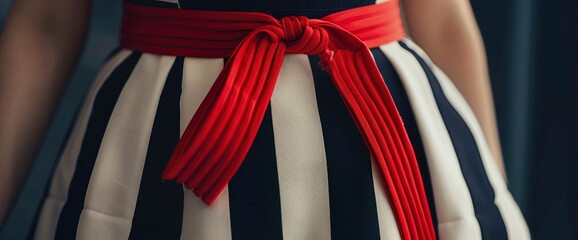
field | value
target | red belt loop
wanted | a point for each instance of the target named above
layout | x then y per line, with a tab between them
222	130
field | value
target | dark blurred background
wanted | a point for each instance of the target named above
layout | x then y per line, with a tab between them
532	49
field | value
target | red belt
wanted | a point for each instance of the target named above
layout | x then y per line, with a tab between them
222	130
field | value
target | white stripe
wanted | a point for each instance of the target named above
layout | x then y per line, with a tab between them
387	224
64	172
511	214
454	207
115	181
201	221
300	151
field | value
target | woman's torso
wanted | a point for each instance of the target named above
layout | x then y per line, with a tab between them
278	8
309	174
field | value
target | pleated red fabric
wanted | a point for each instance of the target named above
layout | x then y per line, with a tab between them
222	130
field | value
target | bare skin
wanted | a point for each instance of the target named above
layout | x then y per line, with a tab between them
54	32
39	47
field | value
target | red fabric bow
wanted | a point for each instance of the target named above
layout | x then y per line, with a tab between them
222	130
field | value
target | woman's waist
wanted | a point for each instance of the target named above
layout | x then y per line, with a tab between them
208	33
277	8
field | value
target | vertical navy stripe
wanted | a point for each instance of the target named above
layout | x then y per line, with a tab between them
104	104
159	207
351	191
488	215
254	199
403	105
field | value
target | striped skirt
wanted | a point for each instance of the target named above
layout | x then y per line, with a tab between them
308	174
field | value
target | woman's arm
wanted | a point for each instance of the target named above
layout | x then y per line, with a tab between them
448	32
38	50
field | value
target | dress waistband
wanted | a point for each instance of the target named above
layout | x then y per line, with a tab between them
220	134
199	33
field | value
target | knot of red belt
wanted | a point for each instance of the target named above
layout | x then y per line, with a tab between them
221	132
301	37
294	27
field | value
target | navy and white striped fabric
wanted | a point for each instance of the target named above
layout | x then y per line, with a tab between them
308	174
